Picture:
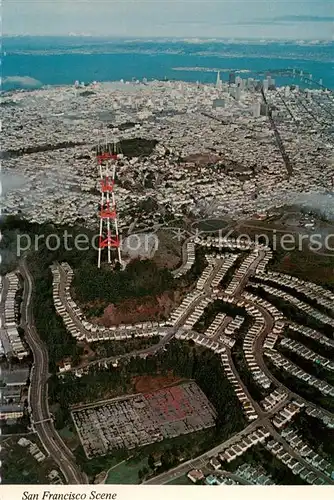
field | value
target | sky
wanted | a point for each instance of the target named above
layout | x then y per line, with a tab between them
273	19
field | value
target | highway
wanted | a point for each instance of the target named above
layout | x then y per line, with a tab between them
38	391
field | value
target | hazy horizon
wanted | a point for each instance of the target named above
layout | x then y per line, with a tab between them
225	19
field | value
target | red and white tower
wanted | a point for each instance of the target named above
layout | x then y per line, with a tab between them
109	235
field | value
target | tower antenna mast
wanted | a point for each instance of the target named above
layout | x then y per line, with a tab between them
109	234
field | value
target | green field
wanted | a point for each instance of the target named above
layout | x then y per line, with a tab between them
126	472
66	433
209	225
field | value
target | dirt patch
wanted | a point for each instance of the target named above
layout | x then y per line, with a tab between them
148	383
139	310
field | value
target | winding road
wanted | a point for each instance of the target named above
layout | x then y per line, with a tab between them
38	391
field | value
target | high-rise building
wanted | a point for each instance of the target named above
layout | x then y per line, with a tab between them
271	82
238	80
250	83
257	85
218	81
237	93
231	78
265	84
256	109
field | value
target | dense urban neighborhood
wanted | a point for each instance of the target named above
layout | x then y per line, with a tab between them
203	355
186	147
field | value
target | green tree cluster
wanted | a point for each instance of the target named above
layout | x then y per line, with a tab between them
140	278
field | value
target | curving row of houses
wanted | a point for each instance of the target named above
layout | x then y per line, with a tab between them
280	362
307	353
246	404
317	412
60	307
190	251
304	450
273	399
286	414
249	351
12	344
298	303
241	272
296	466
259	328
218	348
80	328
228	262
240	447
197	313
262	266
312	334
215	326
316	292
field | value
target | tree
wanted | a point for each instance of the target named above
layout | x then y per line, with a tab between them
151	461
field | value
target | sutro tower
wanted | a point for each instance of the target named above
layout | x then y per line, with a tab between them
109	236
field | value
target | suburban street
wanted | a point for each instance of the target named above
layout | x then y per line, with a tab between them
202	462
181	323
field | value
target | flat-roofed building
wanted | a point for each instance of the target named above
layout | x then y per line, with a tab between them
11	412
